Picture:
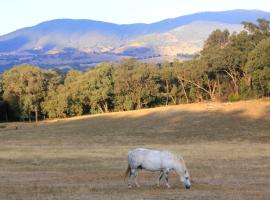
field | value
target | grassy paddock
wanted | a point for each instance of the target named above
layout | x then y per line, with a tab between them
226	148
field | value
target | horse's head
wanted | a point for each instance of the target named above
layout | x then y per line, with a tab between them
183	173
185	178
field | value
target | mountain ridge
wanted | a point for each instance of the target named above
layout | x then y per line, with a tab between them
54	32
242	11
117	40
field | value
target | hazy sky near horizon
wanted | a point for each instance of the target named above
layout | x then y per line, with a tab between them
16	14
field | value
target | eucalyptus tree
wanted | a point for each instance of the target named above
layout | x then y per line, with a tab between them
169	83
235	57
73	93
55	102
135	85
1	88
24	88
98	87
258	67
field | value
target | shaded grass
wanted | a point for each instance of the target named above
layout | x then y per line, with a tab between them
2	126
226	149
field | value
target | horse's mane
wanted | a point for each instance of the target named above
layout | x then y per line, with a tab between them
181	160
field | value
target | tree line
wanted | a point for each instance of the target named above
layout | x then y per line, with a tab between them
230	67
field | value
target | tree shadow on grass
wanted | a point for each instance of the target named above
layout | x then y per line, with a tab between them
67	160
163	127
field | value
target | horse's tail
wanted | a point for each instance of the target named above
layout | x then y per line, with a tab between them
127	173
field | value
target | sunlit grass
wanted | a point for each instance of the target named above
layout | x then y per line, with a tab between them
226	149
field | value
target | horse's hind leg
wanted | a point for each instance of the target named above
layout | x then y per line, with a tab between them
133	173
160	177
129	182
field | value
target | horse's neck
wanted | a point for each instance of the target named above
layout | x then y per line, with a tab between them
178	168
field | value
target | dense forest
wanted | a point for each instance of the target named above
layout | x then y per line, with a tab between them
230	67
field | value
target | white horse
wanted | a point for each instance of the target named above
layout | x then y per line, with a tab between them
153	160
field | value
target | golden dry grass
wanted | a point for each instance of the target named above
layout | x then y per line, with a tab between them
226	148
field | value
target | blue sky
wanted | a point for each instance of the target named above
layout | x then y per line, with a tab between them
15	14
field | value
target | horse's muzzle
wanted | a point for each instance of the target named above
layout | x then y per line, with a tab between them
187	187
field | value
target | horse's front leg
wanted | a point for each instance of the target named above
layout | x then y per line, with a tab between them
160	177
167	178
136	178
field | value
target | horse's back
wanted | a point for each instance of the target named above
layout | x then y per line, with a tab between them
139	152
149	159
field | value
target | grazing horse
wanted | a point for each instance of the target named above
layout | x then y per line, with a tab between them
153	160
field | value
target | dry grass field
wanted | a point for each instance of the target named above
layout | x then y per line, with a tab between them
226	148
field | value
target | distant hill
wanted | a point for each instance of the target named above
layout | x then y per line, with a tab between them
167	38
186	39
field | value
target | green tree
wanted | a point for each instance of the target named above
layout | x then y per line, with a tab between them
3	104
169	84
99	87
55	102
181	71
206	76
235	57
1	88
258	67
135	85
73	93
258	31
217	39
24	90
